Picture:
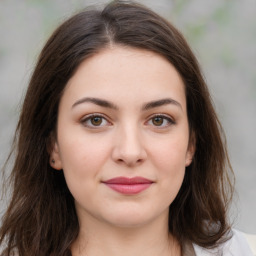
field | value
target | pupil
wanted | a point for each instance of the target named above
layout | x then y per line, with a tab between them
96	120
158	121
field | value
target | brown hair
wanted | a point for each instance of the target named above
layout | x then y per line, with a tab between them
41	218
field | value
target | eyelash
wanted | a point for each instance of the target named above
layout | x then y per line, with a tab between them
166	118
89	118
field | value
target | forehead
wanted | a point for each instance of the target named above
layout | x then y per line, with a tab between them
125	73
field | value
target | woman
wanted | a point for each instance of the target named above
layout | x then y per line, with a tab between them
119	149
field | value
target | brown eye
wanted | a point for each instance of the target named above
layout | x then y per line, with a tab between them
96	120
157	121
160	121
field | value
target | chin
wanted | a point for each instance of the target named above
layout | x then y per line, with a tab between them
130	219
129	223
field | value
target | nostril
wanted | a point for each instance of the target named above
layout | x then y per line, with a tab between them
130	161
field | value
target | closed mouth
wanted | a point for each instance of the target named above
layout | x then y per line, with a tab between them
129	186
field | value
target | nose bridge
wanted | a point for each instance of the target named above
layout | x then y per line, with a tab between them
130	137
129	147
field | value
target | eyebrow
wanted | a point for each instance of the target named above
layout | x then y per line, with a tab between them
107	104
161	102
97	101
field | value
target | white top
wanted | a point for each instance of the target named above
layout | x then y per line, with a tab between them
252	242
239	245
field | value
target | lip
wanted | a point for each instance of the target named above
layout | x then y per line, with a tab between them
128	186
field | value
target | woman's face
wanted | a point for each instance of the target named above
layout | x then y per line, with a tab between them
123	137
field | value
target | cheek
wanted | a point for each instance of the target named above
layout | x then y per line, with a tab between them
169	160
170	156
81	149
82	159
82	163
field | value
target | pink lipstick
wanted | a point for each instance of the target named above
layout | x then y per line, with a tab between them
128	186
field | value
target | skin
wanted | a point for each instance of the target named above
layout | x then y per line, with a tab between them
131	137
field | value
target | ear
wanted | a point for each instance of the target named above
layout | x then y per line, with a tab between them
53	150
191	150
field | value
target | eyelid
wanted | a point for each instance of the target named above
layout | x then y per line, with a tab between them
169	119
87	117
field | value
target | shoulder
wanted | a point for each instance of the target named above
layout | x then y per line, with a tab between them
238	245
251	239
246	243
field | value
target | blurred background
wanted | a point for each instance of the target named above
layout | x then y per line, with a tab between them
222	34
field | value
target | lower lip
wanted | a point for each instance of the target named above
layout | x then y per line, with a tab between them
129	189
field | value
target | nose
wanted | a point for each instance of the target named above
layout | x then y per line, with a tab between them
129	148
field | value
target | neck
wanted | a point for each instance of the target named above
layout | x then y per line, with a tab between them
149	239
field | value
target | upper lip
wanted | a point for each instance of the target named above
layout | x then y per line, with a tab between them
128	181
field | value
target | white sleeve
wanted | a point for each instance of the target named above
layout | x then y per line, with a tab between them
251	239
236	246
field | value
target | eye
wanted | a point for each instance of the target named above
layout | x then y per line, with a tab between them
160	121
95	121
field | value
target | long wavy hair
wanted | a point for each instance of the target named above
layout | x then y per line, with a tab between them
41	218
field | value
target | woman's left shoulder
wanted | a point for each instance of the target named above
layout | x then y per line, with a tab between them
251	239
239	244
242	243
